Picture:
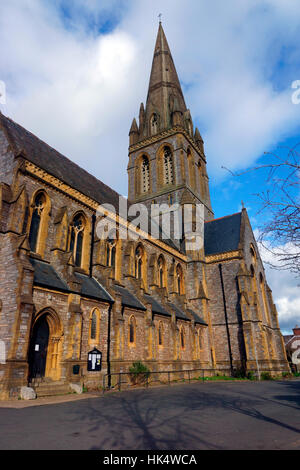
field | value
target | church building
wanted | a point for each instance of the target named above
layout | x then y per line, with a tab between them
75	307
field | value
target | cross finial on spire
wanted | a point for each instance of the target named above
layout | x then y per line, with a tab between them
243	205
159	16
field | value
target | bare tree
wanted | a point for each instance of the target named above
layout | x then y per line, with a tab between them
280	206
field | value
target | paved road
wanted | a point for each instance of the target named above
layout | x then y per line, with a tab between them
240	415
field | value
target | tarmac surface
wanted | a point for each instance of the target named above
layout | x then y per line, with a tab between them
235	415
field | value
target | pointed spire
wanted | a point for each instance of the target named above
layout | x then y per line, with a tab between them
142	118
164	94
133	133
134	127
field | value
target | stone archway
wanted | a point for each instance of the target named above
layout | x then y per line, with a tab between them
46	345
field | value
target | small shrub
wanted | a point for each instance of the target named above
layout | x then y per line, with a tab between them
250	375
296	374
138	373
266	376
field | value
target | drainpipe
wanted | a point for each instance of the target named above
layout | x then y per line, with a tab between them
226	319
92	244
108	344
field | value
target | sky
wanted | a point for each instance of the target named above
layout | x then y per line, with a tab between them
76	72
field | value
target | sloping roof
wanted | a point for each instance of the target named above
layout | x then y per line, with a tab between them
46	276
197	317
222	235
179	313
50	160
90	287
156	306
128	299
53	162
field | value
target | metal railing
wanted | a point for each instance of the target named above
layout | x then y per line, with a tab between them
166	377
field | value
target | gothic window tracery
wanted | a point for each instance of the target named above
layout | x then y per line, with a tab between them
161	271
179	279
76	238
145	174
154	124
111	253
35	226
138	262
168	166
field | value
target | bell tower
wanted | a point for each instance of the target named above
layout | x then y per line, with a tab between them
167	163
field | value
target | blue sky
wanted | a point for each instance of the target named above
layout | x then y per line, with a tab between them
77	71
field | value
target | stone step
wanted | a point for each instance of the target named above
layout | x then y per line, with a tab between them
53	390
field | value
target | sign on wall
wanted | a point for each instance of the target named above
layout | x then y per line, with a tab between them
94	361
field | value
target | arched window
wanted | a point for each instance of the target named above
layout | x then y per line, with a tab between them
132	328
179	279
182	338
161	272
35	226
154	124
145	170
76	238
253	255
168	166
138	262
200	339
160	334
111	253
93	325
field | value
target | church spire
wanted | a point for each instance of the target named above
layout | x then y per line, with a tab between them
165	105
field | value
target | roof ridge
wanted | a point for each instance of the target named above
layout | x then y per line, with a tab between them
57	152
224	217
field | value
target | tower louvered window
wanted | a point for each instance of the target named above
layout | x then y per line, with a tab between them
168	166
154	124
145	175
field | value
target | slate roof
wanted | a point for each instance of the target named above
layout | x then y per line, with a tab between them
90	287
50	160
156	306
179	313
197	318
222	235
46	276
128	299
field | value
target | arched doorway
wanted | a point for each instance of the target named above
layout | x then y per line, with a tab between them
45	347
38	348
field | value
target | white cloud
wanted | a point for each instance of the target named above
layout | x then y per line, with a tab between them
78	89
